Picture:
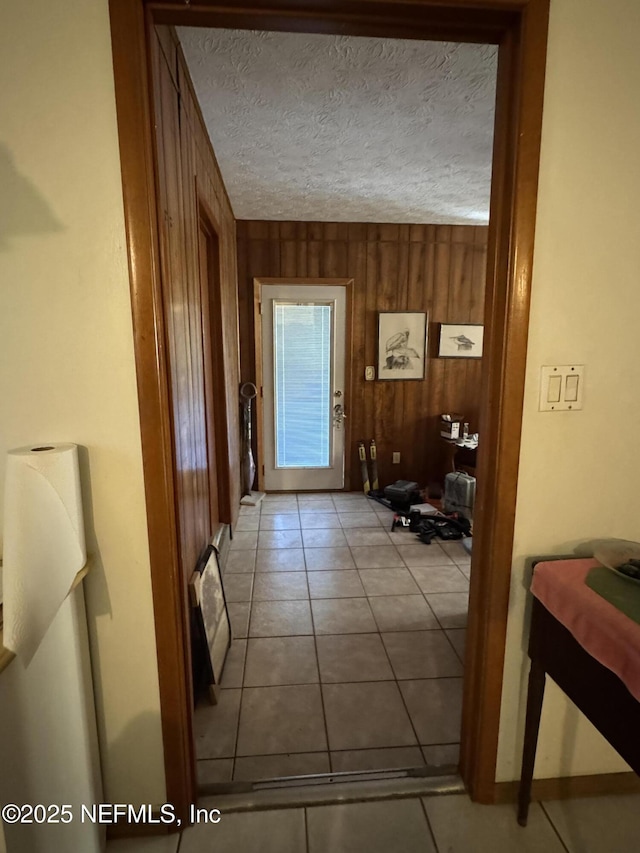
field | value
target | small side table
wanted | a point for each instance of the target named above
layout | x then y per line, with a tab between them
459	458
595	689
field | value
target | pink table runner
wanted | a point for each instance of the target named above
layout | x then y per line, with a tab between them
601	629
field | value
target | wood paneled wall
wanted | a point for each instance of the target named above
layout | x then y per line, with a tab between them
189	181
434	268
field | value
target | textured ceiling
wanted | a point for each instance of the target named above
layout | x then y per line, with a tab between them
339	128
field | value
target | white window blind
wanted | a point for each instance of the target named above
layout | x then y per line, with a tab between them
302	356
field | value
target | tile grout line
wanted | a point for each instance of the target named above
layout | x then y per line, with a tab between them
429	827
455	651
180	837
437	618
244	668
431	610
406	707
404	704
306	828
235	748
422	746
322	705
415	733
553	826
329	751
336	751
329	683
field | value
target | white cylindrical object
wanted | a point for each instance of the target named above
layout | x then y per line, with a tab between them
48	738
44	544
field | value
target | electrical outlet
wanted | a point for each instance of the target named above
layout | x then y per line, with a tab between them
396	457
369	373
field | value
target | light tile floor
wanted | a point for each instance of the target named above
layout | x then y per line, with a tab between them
437	824
349	649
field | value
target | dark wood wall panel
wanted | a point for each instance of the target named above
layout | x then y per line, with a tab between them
188	177
434	268
210	189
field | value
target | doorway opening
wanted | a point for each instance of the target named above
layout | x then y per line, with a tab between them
520	30
321	579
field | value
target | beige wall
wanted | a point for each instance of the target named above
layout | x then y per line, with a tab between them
67	365
580	471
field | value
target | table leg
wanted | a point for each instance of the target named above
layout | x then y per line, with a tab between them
535	695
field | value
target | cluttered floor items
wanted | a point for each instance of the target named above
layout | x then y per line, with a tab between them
428	527
411	512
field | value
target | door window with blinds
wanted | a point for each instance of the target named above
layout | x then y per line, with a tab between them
303	356
302	383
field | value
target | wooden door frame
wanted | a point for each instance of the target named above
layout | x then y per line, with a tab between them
347	283
216	351
519	27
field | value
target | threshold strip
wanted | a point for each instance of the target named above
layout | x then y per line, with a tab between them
330	788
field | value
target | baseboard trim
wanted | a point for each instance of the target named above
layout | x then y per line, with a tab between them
570	786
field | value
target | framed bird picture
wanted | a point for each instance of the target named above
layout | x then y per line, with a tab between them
461	340
402	344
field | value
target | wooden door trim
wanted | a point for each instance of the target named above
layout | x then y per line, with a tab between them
207	218
520	28
139	181
520	92
257	333
348	284
479	21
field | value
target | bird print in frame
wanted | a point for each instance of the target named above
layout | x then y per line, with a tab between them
402	344
461	340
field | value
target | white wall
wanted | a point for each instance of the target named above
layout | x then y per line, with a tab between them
67	365
579	471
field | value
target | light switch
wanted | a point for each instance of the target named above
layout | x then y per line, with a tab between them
571	388
369	373
561	387
553	389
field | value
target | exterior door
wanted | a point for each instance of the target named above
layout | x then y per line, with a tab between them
303	370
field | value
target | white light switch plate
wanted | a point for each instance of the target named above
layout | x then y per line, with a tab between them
561	387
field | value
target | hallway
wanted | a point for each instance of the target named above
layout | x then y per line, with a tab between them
349	644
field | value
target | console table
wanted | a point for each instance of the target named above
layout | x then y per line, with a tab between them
592	652
459	457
